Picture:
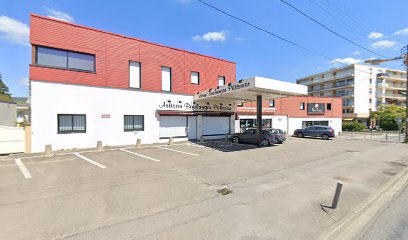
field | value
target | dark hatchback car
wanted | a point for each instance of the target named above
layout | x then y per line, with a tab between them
324	132
268	137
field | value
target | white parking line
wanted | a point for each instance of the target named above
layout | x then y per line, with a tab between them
89	160
23	168
169	149
140	155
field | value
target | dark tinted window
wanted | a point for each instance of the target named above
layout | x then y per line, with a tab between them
81	61
59	58
52	57
71	123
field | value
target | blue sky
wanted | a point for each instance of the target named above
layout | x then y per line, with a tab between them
378	25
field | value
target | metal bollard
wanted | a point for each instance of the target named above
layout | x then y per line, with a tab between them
138	142
201	140
337	195
170	140
226	137
48	151
386	137
99	146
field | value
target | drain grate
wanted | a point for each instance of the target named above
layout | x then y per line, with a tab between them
224	191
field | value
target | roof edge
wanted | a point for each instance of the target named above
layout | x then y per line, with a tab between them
123	36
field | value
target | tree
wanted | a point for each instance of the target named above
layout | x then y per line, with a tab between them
387	115
4	91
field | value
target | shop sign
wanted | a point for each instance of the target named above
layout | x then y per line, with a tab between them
194	106
315	108
231	87
105	116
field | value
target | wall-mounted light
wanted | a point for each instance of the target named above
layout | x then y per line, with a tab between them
169	101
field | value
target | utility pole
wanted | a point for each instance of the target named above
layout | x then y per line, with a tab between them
404	53
404	57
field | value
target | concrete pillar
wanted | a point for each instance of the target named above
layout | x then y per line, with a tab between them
232	124
199	126
138	142
170	140
99	146
48	151
259	115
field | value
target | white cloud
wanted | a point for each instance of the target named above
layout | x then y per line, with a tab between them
346	61
14	31
402	32
357	52
212	36
24	81
383	44
375	35
55	14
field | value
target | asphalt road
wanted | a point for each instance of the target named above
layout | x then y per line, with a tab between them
392	222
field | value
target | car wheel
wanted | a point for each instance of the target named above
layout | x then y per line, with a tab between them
325	136
235	139
264	142
300	135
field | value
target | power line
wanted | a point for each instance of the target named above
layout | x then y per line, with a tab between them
272	34
265	31
330	30
339	19
344	11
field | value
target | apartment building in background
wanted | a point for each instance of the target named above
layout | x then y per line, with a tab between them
362	88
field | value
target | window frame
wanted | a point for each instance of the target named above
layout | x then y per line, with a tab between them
133	123
224	80
198	77
67	58
140	74
72	124
171	79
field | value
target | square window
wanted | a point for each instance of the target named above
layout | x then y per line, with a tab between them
272	103
221	80
71	123
302	106
133	123
195	78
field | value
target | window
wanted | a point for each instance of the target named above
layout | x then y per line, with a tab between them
64	59
166	79
272	103
195	78
221	80
71	123
133	123
329	106
134	74
302	106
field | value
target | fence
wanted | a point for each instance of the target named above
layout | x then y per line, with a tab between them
396	136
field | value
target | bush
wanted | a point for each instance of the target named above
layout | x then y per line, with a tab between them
353	127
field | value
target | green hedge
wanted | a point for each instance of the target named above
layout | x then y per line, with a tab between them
354	127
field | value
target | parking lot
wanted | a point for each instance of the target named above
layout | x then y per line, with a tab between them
170	192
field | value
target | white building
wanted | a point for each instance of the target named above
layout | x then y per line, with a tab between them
362	88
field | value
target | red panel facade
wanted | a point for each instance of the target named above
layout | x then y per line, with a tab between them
113	53
290	106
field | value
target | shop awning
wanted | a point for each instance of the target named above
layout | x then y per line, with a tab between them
247	90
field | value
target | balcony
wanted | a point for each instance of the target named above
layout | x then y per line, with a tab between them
392	86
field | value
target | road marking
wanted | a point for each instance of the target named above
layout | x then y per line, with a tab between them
140	155
23	168
169	149
89	160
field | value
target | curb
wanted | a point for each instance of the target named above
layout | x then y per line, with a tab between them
356	223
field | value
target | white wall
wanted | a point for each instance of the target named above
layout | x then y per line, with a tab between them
50	99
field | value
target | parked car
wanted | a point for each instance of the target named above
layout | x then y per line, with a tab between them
324	132
267	137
